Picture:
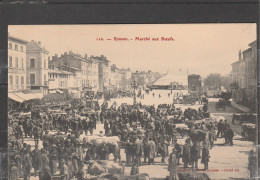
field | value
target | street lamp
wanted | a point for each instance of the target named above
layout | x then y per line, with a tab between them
134	85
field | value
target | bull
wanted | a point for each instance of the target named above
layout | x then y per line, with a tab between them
111	142
101	167
197	136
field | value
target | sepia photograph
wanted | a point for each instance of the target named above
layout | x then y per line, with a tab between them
132	101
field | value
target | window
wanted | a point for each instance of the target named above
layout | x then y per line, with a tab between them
44	63
10	61
16	47
22	80
10	46
21	48
16	80
11	79
44	78
16	62
32	78
32	63
22	63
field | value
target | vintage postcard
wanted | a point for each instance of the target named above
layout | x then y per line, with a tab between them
132	101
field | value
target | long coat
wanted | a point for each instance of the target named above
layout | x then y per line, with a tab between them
195	153
26	163
152	149
138	148
186	153
172	167
44	162
205	155
36	154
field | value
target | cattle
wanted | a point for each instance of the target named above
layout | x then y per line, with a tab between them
100	167
111	142
197	135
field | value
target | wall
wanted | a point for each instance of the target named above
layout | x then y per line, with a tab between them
19	72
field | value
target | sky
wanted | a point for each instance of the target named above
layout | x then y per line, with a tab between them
199	48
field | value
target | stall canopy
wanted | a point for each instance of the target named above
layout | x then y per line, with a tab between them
15	97
21	97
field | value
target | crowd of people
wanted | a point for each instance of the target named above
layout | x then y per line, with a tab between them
145	132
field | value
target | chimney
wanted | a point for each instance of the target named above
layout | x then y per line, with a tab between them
56	55
70	53
32	40
240	55
65	53
39	42
86	56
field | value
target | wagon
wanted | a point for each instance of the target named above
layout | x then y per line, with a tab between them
220	105
249	131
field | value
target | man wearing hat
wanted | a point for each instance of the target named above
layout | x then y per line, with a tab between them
129	150
177	147
205	155
53	158
64	171
138	150
36	154
186	153
172	167
26	165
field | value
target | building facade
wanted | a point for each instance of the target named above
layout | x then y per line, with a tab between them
104	72
73	63
16	64
126	79
92	74
244	77
140	78
37	67
59	79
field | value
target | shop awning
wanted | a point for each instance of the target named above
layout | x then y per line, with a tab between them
15	97
29	96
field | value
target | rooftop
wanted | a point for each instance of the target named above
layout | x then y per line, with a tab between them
17	39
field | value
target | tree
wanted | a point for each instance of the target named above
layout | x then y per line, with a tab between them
213	81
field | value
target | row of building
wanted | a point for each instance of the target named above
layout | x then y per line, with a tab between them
32	70
244	77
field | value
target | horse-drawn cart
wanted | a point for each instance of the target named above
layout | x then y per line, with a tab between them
249	131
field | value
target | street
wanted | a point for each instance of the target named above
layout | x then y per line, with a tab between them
227	162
